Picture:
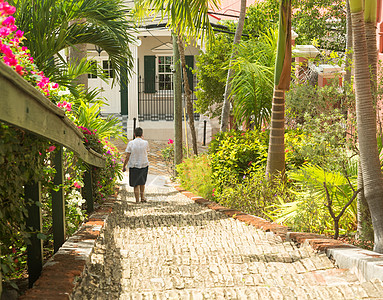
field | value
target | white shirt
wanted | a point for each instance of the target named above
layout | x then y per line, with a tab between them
138	149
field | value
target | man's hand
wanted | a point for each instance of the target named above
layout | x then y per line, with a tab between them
123	169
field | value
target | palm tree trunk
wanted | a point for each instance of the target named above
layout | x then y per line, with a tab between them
364	230
177	105
226	98
347	76
76	54
189	102
276	152
366	126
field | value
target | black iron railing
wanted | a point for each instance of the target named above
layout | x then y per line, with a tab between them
159	104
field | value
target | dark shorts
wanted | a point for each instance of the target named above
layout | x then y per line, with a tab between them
137	176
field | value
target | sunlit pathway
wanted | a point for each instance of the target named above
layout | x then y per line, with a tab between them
172	248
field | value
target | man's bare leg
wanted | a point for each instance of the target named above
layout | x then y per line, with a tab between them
142	191
137	193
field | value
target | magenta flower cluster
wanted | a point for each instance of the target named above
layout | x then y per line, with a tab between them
67	106
16	56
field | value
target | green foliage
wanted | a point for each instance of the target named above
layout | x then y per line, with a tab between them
212	65
49	28
323	142
314	100
22	159
308	213
252	83
235	154
260	17
253	193
194	175
323	20
211	75
168	156
88	115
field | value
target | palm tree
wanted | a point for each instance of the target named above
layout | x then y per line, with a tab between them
366	120
282	75
186	18
50	26
226	98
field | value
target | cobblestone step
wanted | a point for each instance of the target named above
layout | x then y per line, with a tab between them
173	248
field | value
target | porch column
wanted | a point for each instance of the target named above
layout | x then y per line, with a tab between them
327	72
302	53
133	92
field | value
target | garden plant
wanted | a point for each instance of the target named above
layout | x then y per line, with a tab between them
25	157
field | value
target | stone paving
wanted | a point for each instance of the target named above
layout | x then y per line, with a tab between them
174	248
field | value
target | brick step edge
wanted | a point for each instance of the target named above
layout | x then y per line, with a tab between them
365	264
316	241
61	272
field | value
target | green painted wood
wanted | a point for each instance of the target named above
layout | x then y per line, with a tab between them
32	192
25	107
124	90
87	191
150	73
58	202
190	66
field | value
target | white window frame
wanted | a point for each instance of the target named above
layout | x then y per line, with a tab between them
169	72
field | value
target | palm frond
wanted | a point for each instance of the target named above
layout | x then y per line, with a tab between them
52	25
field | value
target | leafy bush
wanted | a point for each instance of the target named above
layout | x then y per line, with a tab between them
308	212
194	175
253	194
168	156
324	142
235	154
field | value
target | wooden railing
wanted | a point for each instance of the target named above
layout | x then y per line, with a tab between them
23	106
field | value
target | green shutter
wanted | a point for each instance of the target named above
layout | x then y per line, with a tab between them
190	66
150	73
124	90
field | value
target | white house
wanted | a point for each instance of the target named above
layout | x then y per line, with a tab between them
147	101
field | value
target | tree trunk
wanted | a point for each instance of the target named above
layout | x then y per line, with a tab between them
366	125
177	81
365	230
226	97
76	54
189	102
347	76
276	152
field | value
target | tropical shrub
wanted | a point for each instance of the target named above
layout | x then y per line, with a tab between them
252	83
236	154
308	212
194	175
253	194
168	156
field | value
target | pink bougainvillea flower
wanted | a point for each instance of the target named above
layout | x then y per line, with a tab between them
170	142
19	34
4	31
51	148
77	185
55	86
8	21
